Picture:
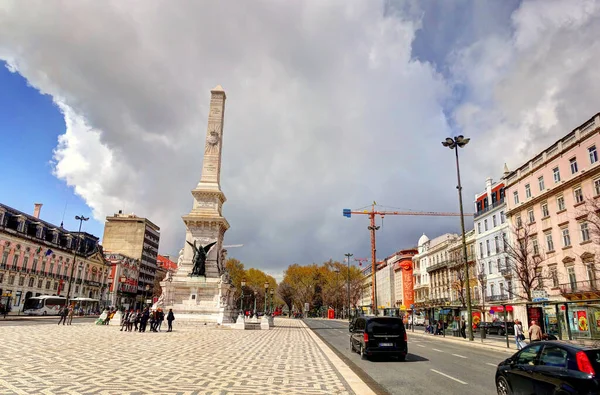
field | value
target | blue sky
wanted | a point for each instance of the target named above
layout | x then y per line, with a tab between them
30	124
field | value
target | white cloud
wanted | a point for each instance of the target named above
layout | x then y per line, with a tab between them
327	108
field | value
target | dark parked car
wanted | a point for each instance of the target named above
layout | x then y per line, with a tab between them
550	367
498	328
372	336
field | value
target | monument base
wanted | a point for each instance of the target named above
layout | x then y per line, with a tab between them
198	299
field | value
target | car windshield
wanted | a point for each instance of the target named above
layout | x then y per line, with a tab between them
385	326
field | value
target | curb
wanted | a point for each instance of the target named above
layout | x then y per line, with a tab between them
468	343
356	384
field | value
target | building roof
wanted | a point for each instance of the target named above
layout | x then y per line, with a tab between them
423	239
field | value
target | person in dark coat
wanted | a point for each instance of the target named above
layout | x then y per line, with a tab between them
144	320
170	319
64	312
463	330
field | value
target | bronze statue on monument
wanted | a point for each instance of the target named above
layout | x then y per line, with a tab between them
199	260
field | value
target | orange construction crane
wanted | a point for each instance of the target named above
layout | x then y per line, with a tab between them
372	227
361	260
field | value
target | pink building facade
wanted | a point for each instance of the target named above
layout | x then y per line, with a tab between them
550	196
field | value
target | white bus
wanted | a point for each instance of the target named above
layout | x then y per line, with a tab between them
44	305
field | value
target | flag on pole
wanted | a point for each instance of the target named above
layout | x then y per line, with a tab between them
39	250
49	252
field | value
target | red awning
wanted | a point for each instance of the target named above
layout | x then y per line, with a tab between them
500	308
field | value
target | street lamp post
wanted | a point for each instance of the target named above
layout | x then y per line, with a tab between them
266	291
456	143
80	219
122	280
242	298
255	295
272	292
373	228
348	256
146	293
337	276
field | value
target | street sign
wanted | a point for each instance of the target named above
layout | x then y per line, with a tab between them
492	311
347	213
537	300
539	294
403	307
412	306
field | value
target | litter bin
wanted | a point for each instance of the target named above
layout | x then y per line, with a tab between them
483	334
455	333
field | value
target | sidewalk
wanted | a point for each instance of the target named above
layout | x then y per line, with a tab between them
287	359
15	317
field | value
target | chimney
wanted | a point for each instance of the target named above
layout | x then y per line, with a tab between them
37	207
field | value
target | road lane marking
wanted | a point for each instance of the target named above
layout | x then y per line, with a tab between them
420	345
460	356
448	376
491	364
435	349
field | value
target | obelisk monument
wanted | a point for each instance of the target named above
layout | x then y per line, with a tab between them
204	298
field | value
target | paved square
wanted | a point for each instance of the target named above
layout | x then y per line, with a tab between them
90	359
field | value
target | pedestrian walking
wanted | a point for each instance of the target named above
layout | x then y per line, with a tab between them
64	312
125	320
170	319
131	320
161	318
519	335
463	329
144	320
535	332
138	320
71	312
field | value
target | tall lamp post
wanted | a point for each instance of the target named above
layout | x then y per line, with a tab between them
255	295
348	256
243	283
373	228
272	292
146	293
266	292
456	143
337	306
80	219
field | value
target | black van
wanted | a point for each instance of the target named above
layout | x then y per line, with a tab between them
379	336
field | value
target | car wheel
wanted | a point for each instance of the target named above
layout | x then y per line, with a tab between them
502	386
44	313
501	332
352	346
401	357
362	353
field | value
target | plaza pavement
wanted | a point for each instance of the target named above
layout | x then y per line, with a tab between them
89	359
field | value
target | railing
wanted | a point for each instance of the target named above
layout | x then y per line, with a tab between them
497	203
506	272
437	266
580	286
496	298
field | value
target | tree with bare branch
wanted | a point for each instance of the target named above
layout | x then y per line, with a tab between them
525	261
590	231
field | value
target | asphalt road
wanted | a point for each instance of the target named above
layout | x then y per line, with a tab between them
433	365
29	321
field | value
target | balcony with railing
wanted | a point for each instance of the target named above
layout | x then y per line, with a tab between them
496	298
576	290
489	208
438	266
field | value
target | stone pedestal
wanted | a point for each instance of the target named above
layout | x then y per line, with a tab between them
271	321
240	323
116	320
264	323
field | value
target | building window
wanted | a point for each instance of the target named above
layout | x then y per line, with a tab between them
519	221
572	278
527	191
593	154
497	244
31	280
34	265
504	242
487	247
55	286
40	283
516	196
21	281
485	225
578	195
15	260
11	280
591	273
48	284
5	257
556	173
585	231
549	242
545	212
478	227
494	222
541	183
573	164
554	277
597	187
565	237
560	203
536	247
481	250
502	289
498	265
502	217
531	216
491	289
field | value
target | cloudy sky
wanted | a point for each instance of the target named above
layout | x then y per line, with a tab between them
330	105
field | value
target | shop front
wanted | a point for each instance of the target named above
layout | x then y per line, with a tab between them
498	313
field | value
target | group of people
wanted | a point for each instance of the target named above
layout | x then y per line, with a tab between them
136	320
66	314
535	334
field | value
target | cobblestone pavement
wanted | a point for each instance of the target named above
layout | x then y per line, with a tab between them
90	359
